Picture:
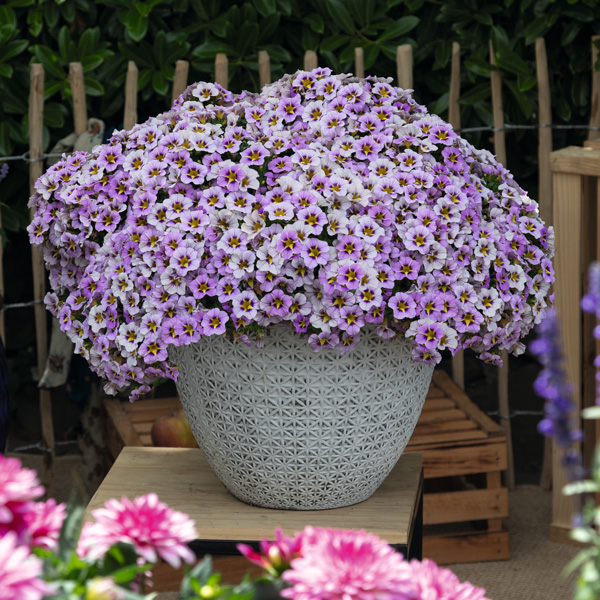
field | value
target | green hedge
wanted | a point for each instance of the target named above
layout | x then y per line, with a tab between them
104	34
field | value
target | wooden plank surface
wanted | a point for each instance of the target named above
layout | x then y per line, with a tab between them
467	505
545	132
404	66
467	548
463	460
182	478
575	160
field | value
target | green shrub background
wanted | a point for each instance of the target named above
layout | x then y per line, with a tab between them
104	34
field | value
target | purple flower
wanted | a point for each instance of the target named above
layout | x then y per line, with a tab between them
213	322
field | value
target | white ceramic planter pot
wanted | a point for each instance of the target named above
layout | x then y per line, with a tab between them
285	427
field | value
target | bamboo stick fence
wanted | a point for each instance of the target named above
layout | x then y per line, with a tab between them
404	61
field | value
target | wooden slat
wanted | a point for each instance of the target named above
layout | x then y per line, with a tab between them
568	210
78	95
595	109
467	505
458	369
463	402
467	548
146	440
143	429
575	160
120	422
359	62
440	403
2	290
494	483
182	68
498	110
434	392
447	437
310	60
150	415
130	115
222	70
545	132
453	414
453	105
150	403
447	462
462	425
264	68
36	147
404	66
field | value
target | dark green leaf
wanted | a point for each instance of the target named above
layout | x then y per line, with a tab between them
268	27
339	13
6	70
8	17
63	41
89	40
570	31
332	43
310	40
285	6
93	87
67	10
136	24
70	530
49	60
160	84
476	94
51	14
500	38
398	29
537	28
5	142
521	98
13	49
315	20
35	21
483	17
512	62
265	7
277	53
526	82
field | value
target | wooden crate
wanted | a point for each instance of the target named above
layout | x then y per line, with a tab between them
464	453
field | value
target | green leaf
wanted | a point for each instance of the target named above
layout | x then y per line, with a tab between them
333	42
160	84
483	17
476	94
512	62
499	37
570	31
136	24
8	17
6	70
526	82
70	530
400	28
35	21
89	40
265	7
63	42
13	49
522	99
5	142
51	14
93	87
315	20
537	28
339	13
49	60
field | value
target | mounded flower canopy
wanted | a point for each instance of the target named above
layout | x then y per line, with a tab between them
324	202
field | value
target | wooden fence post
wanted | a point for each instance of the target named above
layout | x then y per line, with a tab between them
545	133
500	149
130	115
359	62
404	66
78	95
264	68
595	112
222	70
310	60
36	129
182	68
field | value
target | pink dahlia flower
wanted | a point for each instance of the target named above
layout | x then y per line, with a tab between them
18	488
20	571
275	557
154	529
44	521
434	583
347	565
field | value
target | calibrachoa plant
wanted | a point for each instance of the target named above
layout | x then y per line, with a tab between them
325	203
108	559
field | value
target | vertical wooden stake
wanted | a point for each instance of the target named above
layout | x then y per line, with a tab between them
545	135
182	68
500	150
2	288
595	112
458	360
453	106
78	95
359	62
310	60
404	66
264	68
36	128
130	115
222	70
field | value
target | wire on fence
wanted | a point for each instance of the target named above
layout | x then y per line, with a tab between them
516	413
39	446
20	305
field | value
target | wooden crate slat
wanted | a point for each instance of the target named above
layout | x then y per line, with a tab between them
453	414
463	402
153	413
447	462
435	392
121	422
432	404
447	550
460	425
447	436
467	505
144	429
146	440
141	406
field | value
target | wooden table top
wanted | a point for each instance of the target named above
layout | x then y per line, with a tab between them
182	479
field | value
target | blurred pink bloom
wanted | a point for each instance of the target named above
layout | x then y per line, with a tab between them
434	583
154	529
19	571
18	488
44	521
347	565
275	557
